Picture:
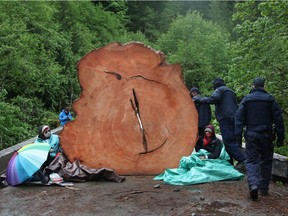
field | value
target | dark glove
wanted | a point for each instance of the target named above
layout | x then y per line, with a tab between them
68	118
280	142
239	141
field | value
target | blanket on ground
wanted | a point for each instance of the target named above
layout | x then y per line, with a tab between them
193	170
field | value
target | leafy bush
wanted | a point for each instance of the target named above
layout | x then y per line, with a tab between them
283	150
12	128
20	118
199	46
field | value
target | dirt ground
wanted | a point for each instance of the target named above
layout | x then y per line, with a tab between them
139	195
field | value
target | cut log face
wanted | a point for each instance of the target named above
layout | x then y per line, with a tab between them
134	115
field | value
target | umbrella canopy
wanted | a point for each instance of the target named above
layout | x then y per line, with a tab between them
25	162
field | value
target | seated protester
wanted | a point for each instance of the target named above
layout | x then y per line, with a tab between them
210	143
65	116
45	136
198	168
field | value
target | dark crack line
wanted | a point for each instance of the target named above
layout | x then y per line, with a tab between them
118	76
137	76
155	148
135	107
144	140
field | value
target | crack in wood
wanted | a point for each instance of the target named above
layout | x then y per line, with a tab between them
155	148
135	107
118	76
137	76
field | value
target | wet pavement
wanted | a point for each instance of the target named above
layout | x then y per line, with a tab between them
141	195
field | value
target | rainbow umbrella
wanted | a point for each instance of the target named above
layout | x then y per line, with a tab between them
25	162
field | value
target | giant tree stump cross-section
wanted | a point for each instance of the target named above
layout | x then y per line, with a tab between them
134	115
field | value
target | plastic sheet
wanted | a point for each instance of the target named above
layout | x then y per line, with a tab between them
193	170
77	172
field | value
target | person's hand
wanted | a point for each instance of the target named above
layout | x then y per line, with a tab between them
51	150
68	118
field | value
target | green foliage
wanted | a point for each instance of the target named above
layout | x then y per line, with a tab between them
199	46
153	18
20	118
221	13
12	127
40	44
138	36
29	67
261	49
149	18
33	112
283	150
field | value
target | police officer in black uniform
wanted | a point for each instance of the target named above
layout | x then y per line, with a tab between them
259	113
204	111
225	109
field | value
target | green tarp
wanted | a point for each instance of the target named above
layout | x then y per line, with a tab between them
193	170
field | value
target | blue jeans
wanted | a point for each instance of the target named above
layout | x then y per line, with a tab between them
259	154
227	128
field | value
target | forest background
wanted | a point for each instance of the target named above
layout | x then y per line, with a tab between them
41	43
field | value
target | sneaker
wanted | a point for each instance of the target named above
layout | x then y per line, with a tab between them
254	193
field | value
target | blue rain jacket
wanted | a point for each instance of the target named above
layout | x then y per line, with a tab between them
64	118
53	141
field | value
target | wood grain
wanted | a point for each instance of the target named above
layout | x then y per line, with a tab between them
108	133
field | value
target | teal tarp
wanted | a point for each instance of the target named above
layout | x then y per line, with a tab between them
193	170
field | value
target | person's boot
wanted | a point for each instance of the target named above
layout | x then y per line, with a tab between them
43	178
254	192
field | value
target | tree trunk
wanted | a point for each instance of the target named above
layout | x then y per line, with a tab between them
134	115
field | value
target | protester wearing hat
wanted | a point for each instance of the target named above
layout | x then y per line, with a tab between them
204	111
65	116
45	136
225	109
258	113
210	143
